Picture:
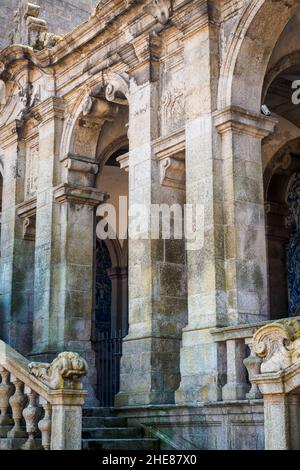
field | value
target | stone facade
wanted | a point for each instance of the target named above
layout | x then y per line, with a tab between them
160	102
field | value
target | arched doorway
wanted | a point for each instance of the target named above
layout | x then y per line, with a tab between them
281	159
111	269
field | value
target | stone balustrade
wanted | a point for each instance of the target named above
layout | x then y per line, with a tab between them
237	360
241	364
47	397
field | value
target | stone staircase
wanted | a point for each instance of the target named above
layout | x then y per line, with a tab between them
102	429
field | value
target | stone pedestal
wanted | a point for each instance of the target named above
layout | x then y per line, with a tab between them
66	433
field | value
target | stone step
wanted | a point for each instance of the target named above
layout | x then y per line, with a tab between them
106	422
112	433
97	412
16	444
120	444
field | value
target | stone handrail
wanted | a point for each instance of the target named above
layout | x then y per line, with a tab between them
49	397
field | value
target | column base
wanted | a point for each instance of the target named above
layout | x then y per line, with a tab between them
149	371
201	369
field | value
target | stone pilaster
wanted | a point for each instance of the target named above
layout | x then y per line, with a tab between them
201	358
17	253
157	272
65	235
245	259
46	329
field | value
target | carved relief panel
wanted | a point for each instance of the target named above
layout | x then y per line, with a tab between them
31	178
172	95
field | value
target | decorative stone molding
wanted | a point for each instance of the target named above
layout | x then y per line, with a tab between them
172	167
65	372
161	10
79	195
278	345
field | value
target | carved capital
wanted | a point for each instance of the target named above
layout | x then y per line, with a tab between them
65	372
68	193
234	119
77	164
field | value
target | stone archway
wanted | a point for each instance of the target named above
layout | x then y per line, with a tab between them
256	35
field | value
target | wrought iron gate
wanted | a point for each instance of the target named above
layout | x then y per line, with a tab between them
109	354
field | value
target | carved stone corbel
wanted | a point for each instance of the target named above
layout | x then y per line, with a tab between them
29	228
172	167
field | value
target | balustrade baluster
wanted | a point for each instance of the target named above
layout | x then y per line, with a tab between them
252	364
31	415
17	402
6	391
236	387
45	426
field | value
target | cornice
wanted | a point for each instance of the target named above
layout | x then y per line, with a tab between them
104	22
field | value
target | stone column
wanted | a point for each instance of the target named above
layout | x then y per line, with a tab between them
16	253
119	299
157	287
201	358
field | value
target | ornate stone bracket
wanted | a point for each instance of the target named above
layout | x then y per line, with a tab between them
172	167
65	372
29	227
27	213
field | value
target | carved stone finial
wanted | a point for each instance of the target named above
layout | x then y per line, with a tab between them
29	29
160	9
65	372
278	344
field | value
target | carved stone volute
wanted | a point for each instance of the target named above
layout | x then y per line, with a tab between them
278	344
